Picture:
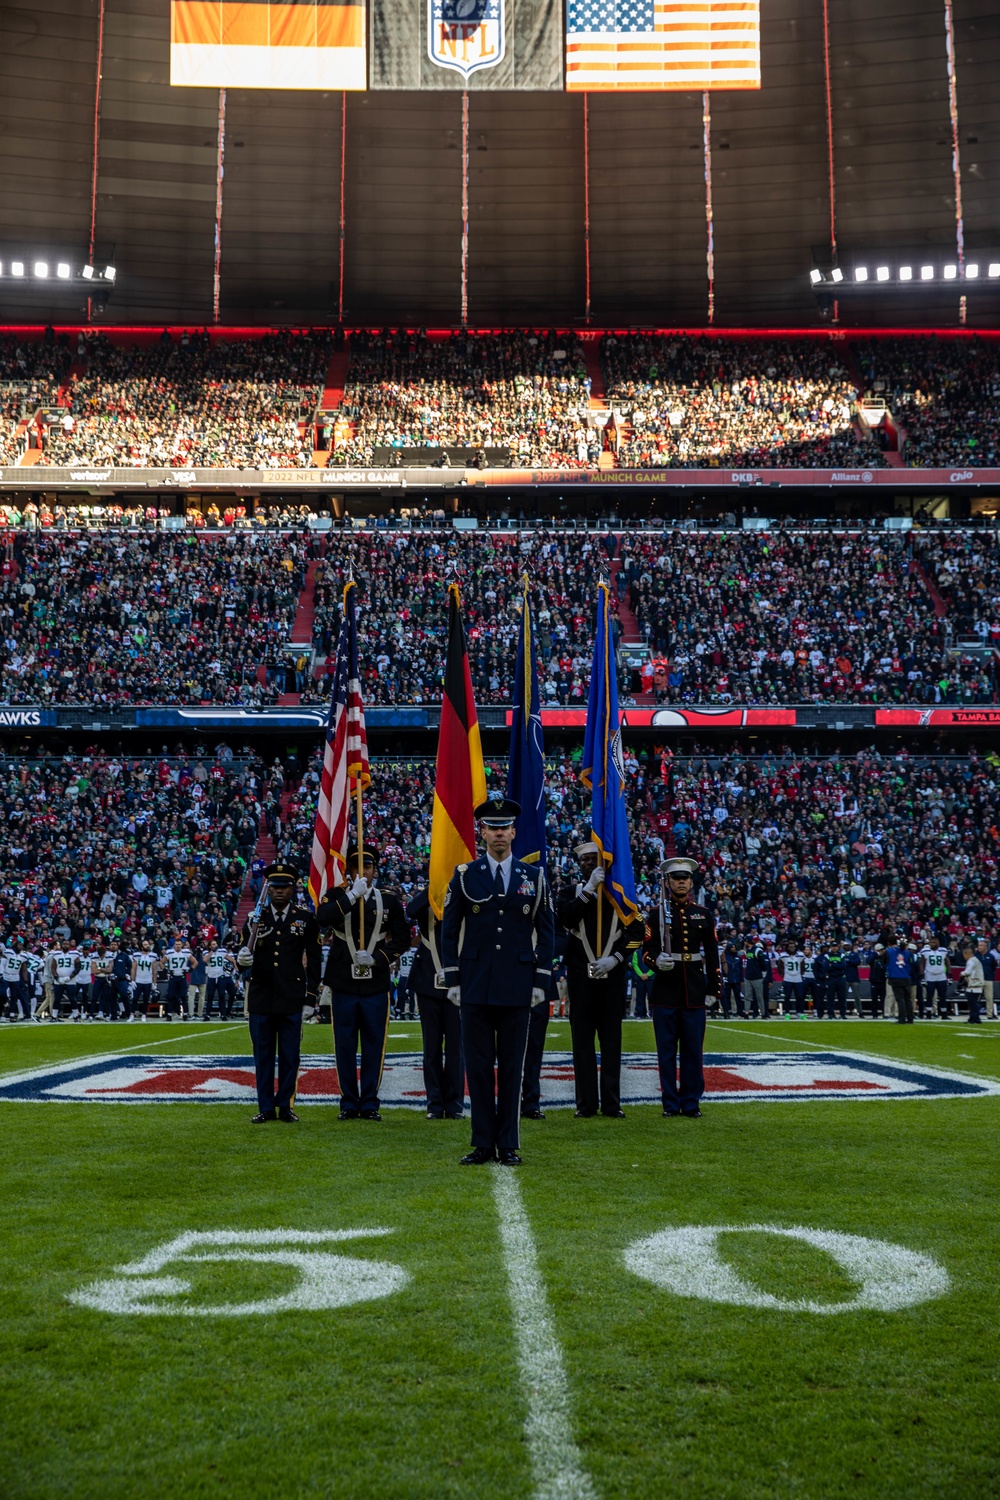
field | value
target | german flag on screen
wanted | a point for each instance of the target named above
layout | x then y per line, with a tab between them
297	44
460	785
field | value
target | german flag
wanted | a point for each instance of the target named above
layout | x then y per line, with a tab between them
461	776
294	44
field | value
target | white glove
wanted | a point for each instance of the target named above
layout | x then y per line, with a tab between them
665	961
596	879
537	997
364	957
604	965
359	888
244	958
455	994
711	999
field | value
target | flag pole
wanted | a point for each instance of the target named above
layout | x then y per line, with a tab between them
361	854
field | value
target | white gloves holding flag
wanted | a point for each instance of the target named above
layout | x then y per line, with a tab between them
359	888
665	961
537	997
596	879
604	965
244	958
455	995
364	958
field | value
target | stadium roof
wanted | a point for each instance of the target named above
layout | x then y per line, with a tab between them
157	164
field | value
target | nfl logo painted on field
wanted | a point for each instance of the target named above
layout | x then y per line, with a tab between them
466	35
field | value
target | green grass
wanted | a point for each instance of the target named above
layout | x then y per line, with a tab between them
418	1395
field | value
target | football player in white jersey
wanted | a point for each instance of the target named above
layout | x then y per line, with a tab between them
84	980
12	978
178	962
790	964
64	968
145	973
215	969
34	965
934	963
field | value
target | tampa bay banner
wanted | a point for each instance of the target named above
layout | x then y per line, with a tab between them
296	44
466	44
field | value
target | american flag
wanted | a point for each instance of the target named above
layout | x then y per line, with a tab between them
648	45
345	761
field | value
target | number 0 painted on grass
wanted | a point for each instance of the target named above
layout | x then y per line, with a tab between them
324	1280
687	1262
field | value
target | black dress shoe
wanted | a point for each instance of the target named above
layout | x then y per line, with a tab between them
613	1114
476	1157
671	1114
691	1114
263	1117
532	1114
509	1159
289	1116
455	1114
435	1114
371	1114
585	1114
348	1114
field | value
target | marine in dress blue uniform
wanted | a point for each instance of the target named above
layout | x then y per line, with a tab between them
496	970
358	974
684	953
440	1022
284	975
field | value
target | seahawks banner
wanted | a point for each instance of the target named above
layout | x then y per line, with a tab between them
466	44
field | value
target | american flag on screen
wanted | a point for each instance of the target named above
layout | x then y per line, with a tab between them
345	760
650	45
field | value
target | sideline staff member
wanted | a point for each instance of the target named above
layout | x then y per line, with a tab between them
284	974
501	972
688	978
358	977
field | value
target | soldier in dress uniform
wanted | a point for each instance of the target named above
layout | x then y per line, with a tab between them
283	966
681	944
440	1022
597	984
358	974
496	972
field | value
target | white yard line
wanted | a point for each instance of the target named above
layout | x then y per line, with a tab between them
556	1462
882	1057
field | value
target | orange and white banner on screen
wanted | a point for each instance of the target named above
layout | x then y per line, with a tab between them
651	45
298	44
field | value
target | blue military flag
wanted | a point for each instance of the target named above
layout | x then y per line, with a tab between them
604	770
526	767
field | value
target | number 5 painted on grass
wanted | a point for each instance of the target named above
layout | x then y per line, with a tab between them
325	1280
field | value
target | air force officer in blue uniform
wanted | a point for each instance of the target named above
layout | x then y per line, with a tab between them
496	970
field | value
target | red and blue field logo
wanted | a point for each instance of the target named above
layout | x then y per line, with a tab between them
734	1076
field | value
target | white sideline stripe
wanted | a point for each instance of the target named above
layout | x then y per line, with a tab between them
556	1461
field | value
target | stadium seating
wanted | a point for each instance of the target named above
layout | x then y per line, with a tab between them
943	393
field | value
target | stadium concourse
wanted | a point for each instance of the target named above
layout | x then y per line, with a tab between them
541	399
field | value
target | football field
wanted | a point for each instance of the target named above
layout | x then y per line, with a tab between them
795	1295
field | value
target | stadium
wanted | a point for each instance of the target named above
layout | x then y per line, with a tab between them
500	673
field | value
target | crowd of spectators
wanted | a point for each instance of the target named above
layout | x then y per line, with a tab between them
785	616
964	567
402	634
693	402
31	372
193	402
525	391
100	846
944	393
120	617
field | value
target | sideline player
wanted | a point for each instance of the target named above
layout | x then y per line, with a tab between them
685	953
496	974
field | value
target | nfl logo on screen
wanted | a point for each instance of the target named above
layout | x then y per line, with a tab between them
466	34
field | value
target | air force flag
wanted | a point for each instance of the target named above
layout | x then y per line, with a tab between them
466	35
526	766
604	770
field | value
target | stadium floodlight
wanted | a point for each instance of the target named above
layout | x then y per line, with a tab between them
861	273
950	272
881	273
17	268
110	273
926	273
41	268
836	274
906	273
815	276
971	271
63	270
87	273
994	268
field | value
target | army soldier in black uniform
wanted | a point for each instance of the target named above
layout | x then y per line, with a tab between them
497	973
284	975
440	1022
684	951
597	982
358	975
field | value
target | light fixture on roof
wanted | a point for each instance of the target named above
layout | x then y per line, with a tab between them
881	273
815	276
994	268
906	273
836	274
17	268
926	273
950	272
41	269
110	273
87	273
861	273
63	270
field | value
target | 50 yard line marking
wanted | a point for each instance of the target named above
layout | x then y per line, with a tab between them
556	1462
